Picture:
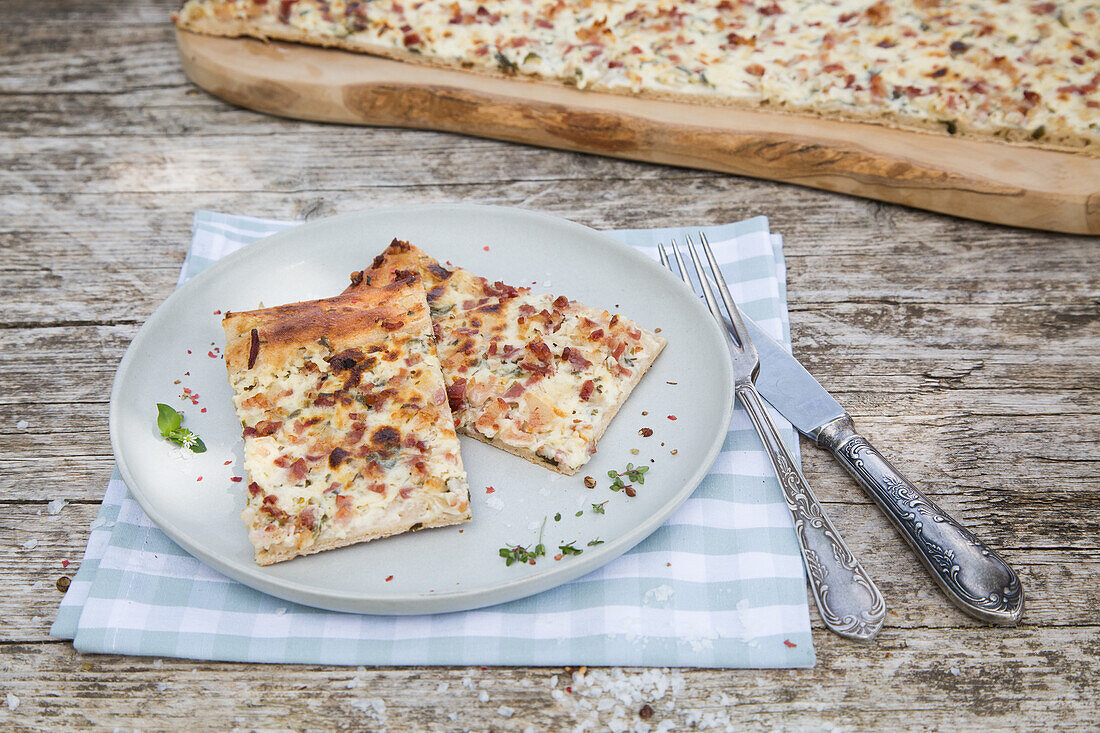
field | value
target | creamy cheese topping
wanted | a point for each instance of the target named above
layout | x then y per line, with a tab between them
991	66
533	372
340	444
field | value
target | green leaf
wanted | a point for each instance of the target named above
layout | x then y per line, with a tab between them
167	419
198	446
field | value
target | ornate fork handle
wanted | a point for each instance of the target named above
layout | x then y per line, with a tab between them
974	577
849	602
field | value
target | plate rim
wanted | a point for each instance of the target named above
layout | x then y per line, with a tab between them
414	603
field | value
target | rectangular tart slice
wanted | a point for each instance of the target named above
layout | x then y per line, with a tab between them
348	435
536	375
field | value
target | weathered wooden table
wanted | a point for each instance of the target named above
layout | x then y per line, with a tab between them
968	352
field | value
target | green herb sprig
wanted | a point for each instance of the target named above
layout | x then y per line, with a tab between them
568	549
636	475
593	543
520	553
598	508
168	422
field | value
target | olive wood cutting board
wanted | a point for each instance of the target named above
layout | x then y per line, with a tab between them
977	179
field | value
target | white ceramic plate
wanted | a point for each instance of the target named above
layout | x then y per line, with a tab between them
452	568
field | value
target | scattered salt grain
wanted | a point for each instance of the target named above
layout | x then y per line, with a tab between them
483	696
354	682
505	712
659	594
55	506
494	502
442	687
468	683
21	425
158	663
30	544
13	701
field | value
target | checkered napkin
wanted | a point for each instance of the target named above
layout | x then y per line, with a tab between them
720	584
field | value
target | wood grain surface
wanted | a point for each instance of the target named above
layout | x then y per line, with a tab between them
980	179
968	352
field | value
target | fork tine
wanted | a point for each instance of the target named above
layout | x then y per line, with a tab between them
663	255
680	263
708	294
727	299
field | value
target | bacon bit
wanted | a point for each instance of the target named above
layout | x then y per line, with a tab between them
389	578
586	389
203	410
671	417
498	290
404	493
236	479
218	312
392	325
596	335
211	354
673	383
456	394
253	488
567	689
514	391
558	557
1032	98
772	9
878	86
735	40
575	359
486	247
1043	8
942	71
846	17
645	432
199	478
790	644
189	351
337	456
560	302
305	519
411	39
267	427
298	469
489	490
540	350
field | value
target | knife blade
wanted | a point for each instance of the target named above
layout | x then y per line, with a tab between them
973	576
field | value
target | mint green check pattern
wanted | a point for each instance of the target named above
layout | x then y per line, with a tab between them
720	584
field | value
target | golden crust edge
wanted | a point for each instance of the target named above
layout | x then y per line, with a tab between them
1065	143
269	557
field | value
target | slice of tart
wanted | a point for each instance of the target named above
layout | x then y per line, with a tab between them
536	375
348	436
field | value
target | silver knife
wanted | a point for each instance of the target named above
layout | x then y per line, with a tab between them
973	576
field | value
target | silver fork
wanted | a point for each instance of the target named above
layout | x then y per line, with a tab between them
849	602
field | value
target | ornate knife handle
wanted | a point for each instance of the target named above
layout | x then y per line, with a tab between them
849	602
973	576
